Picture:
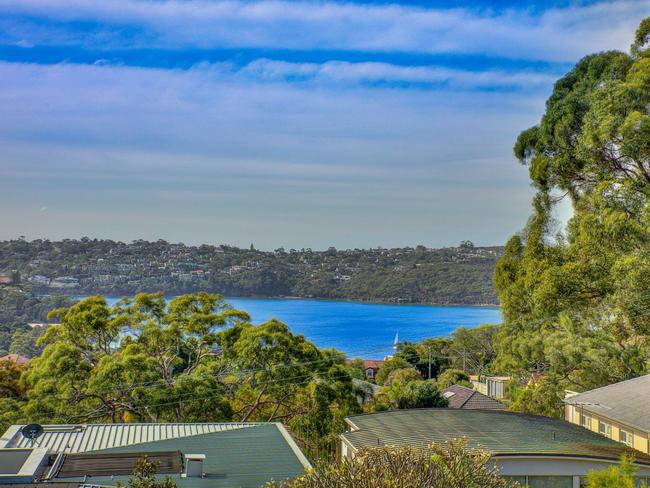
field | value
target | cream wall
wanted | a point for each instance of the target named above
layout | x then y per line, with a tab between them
572	414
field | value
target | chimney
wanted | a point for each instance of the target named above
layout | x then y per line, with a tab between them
194	466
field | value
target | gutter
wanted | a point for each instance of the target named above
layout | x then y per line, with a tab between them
294	447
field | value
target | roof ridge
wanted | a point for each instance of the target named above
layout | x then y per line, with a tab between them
607	386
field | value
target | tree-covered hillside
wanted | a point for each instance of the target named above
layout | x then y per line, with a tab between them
577	304
458	275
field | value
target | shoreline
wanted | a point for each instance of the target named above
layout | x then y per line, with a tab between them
315	299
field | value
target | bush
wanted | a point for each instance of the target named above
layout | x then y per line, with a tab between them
615	476
447	466
453	377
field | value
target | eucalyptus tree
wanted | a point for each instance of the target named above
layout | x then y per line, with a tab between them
576	303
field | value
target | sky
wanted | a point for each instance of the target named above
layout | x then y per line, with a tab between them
281	123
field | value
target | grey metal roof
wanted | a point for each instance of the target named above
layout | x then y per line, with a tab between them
627	402
94	437
462	397
235	458
498	432
238	455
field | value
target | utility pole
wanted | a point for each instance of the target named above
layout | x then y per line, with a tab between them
464	355
429	361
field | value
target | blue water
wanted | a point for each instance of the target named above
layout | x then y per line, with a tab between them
364	329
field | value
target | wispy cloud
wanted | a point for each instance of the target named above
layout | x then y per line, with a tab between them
235	149
558	34
372	72
302	123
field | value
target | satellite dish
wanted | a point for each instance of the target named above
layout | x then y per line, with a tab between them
32	431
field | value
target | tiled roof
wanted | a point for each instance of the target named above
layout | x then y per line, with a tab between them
372	363
626	402
16	358
463	397
500	433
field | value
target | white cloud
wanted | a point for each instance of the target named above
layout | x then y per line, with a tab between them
127	152
373	72
557	34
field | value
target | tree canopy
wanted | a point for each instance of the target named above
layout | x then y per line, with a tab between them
576	301
192	359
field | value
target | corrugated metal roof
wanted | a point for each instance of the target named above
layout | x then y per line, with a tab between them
626	402
498	432
237	458
93	437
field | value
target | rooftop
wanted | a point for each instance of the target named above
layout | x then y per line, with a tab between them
241	455
498	432
626	402
16	358
462	397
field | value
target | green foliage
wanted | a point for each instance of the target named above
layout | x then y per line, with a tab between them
575	303
19	306
405	388
193	359
615	476
447	466
460	275
144	476
453	377
388	367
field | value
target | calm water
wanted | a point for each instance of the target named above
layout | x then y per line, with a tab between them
364	329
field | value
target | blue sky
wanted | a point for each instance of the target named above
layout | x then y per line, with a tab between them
282	123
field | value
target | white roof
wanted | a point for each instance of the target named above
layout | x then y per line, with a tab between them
92	437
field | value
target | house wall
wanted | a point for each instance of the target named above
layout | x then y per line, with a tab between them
560	472
641	438
549	471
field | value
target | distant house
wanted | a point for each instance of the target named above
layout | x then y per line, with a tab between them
538	452
462	397
492	386
371	367
620	411
193	455
6	280
16	358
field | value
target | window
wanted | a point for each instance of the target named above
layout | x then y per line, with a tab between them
585	421
626	438
550	481
543	481
605	429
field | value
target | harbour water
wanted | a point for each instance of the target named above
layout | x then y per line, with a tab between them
363	329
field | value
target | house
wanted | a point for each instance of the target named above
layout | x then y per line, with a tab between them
535	451
620	411
492	386
371	367
193	455
16	358
462	397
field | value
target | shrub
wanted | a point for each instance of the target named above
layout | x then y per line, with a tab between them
448	466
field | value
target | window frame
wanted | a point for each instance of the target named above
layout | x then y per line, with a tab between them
629	437
607	431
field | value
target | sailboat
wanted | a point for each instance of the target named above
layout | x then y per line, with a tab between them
396	342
